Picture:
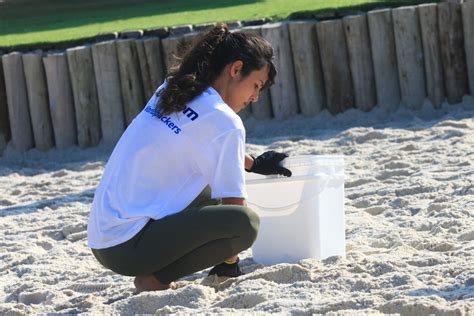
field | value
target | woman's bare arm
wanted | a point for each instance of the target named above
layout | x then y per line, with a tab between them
248	161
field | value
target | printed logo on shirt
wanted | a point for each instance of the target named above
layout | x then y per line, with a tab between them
190	113
164	119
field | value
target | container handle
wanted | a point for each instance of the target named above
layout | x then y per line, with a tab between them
287	209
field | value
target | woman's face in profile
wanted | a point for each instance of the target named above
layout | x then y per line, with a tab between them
245	90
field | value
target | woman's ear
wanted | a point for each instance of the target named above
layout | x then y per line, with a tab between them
236	68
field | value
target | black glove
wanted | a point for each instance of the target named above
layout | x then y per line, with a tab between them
269	163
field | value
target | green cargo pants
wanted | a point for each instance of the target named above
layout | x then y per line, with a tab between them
203	235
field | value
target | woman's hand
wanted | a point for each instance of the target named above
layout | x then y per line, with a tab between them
269	163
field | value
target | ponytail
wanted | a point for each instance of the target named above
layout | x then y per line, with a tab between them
205	61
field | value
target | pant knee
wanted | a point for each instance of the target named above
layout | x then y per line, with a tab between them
250	226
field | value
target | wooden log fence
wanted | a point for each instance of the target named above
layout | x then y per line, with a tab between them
468	30
130	78
38	100
151	67
386	58
336	69
432	52
84	91
360	61
61	103
283	93
409	50
452	50
17	99
107	77
308	72
5	134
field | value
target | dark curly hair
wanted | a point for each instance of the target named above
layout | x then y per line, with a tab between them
204	62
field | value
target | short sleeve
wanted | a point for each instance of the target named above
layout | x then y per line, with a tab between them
222	164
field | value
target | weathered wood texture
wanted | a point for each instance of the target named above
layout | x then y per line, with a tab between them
61	103
84	91
38	100
409	56
130	79
468	30
262	109
307	64
18	111
5	134
151	65
428	14
360	61
384	58
335	65
452	51
107	77
283	93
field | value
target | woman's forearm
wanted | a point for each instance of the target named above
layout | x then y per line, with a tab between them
248	161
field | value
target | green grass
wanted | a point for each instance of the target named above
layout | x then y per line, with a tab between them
31	22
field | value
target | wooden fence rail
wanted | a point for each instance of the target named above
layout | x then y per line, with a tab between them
387	58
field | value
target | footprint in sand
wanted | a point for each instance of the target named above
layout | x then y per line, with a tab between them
59	174
469	236
424	262
243	300
397	165
410	147
372	135
72	229
387	174
36	297
89	287
375	210
358	182
6	202
16	192
92	166
454	124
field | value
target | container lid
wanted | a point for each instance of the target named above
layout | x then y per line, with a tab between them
305	166
312	160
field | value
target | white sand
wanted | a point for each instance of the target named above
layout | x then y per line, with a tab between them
409	210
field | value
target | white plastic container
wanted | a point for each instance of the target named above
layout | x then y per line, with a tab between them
301	216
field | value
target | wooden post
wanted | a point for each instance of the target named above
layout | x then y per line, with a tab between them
468	30
84	91
61	104
107	77
262	109
335	64
308	72
409	56
5	134
38	100
360	61
452	50
151	65
18	111
283	92
130	79
384	57
432	53
172	49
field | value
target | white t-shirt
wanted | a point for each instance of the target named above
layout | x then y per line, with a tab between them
162	163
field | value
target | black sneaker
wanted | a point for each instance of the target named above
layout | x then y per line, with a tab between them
226	269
